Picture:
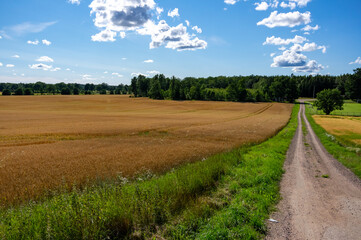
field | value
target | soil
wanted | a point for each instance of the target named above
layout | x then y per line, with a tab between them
321	199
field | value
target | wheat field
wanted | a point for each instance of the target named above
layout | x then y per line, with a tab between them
48	142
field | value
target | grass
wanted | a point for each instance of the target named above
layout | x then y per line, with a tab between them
325	176
242	187
343	151
350	109
50	141
238	209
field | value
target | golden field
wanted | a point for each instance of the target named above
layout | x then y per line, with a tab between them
347	128
49	141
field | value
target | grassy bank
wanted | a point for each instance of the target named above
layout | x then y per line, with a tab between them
229	194
238	209
340	148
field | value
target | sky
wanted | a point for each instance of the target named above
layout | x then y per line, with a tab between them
111	41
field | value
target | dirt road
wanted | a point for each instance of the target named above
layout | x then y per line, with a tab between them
314	206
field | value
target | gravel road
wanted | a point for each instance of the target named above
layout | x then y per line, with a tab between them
314	206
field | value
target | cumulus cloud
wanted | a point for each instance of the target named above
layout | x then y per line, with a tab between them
174	13
77	2
291	19
1	37
290	5
230	2
44	59
10	65
113	16
153	72
15	56
1	64
149	61
301	3
41	66
104	36
289	59
357	61
172	37
311	67
309	28
263	6
308	47
197	29
280	41
36	42
46	42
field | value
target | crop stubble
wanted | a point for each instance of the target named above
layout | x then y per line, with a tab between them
48	141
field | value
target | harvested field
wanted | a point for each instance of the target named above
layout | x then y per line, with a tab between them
48	141
346	128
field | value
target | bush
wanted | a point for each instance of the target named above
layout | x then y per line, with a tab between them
19	91
103	92
28	91
6	92
66	91
76	91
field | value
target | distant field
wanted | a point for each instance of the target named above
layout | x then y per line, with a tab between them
347	129
49	141
350	109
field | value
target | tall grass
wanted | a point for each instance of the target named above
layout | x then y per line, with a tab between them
249	194
136	210
341	148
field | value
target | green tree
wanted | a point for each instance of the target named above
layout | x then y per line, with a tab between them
66	91
6	92
76	91
155	90
28	91
329	100
19	91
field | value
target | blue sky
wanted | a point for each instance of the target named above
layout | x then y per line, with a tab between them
112	40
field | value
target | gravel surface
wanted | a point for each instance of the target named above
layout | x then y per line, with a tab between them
321	198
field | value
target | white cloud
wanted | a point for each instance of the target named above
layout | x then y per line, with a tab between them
290	5
1	64
311	67
280	41
138	74
159	12
149	61
263	6
357	61
174	13
87	77
197	29
28	27
301	3
122	34
290	19
308	47
15	56
289	59
176	38
124	58
309	28
55	69
272	54
187	23
117	74
77	2
68	69
46	42
153	72
44	59
230	2
41	66
10	65
1	37
136	15
105	36
36	42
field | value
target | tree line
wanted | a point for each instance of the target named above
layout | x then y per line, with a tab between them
252	88
246	88
61	88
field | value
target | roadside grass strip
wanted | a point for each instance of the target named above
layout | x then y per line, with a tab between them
341	148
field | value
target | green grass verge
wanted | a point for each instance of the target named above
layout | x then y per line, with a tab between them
137	210
238	209
342	149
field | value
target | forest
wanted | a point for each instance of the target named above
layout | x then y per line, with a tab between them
253	88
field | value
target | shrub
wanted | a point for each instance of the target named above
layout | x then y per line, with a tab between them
6	92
